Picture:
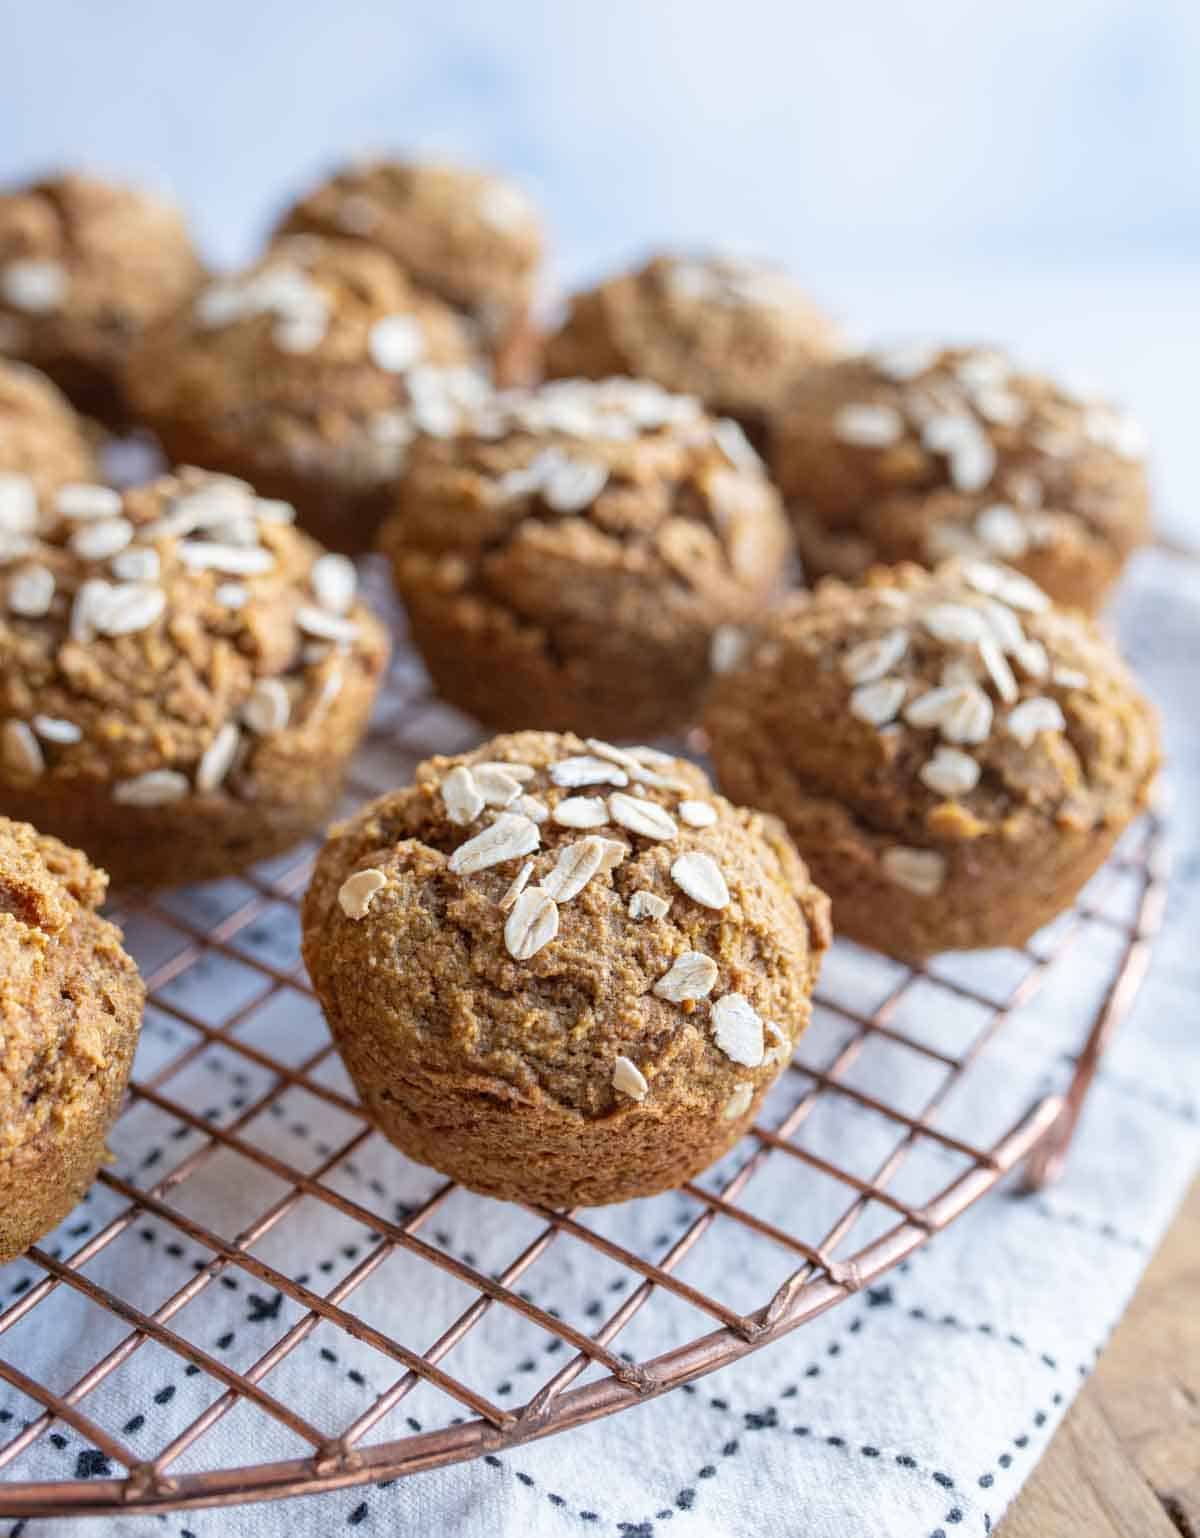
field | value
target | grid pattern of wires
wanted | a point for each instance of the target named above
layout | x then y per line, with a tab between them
828	1248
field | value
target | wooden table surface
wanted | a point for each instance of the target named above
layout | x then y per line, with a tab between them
1125	1463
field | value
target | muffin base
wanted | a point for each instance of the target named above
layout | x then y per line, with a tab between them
339	514
1075	573
90	990
198	838
508	677
46	1178
93	390
996	892
536	1151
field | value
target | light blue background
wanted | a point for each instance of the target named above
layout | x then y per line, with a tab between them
1023	169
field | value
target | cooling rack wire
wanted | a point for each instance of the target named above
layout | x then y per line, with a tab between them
856	1161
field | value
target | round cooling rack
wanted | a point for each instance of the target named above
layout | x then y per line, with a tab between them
306	1295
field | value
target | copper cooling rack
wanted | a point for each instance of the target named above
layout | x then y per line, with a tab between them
827	1243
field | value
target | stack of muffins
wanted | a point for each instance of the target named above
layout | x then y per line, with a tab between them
562	967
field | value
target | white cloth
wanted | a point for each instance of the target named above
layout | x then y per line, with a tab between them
915	1408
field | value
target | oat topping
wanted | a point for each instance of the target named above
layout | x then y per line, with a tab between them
920	871
628	1079
21	750
37	287
950	772
531	924
581	812
648	905
217	759
31	591
144	565
880	702
962	712
738	1029
18	504
643	817
1031	716
335	583
521	772
358	892
727	649
529	806
781	1049
870	660
699	875
697	814
510	837
1009	587
268	708
584	770
81	500
157	787
516	886
576	865
739	1102
463	800
871	427
497	784
692	976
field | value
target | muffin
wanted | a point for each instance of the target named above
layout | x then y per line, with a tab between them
308	374
953	755
919	454
183	677
473	239
571	559
732	333
85	267
70	1011
43	446
563	972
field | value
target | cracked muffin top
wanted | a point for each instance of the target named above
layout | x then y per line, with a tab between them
731	332
69	994
553	918
639	486
322	354
43	445
921	453
955	704
472	238
164	639
85	267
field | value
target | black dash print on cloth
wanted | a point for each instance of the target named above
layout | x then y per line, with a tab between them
1084	1223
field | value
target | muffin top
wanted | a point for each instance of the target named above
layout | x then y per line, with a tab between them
168	641
955	451
86	265
42	446
323	347
568	920
948	704
472	238
641	486
68	992
731	332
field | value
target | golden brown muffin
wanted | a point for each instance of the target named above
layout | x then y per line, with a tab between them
308	375
183	677
953	755
562	972
70	1011
921	453
470	237
85	267
732	333
568	561
43	445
